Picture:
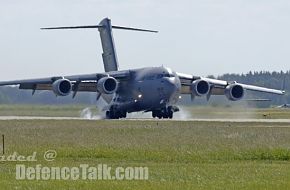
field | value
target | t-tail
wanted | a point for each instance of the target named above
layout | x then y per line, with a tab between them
109	55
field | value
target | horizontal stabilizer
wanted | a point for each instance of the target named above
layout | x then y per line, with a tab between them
72	27
136	29
99	26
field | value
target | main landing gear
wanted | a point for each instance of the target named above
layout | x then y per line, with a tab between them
165	113
115	114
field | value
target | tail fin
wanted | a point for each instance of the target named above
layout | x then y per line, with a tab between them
109	52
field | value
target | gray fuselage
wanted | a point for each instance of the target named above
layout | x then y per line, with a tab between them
147	89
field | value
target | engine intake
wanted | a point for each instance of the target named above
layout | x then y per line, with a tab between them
107	85
62	87
234	92
200	87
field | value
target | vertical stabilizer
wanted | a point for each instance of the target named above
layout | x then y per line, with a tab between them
109	55
105	28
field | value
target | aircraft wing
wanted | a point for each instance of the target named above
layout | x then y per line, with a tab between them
218	86
86	82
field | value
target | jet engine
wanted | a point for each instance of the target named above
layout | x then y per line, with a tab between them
62	87
107	85
234	92
200	87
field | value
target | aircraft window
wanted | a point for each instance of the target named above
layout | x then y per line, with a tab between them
168	75
164	75
159	76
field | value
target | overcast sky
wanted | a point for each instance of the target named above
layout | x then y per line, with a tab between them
199	37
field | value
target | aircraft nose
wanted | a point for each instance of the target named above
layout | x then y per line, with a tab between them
170	85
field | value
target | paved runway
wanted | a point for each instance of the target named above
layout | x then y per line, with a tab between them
147	119
39	118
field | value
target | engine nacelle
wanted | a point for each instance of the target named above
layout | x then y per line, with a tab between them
234	92
200	87
62	87
107	85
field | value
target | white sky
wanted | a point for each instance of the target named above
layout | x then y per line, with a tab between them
198	37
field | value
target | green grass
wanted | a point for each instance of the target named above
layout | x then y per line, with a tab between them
179	154
42	110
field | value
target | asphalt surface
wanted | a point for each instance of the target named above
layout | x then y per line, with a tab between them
147	119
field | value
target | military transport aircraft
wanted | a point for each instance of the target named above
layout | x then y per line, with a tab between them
150	89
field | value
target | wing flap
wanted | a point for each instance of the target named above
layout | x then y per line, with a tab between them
82	87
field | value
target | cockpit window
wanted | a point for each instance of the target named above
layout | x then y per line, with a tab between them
158	76
168	75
